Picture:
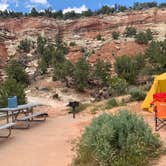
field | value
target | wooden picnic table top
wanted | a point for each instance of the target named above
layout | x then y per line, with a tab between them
20	107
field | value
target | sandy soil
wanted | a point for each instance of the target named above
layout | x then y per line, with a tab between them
51	143
44	144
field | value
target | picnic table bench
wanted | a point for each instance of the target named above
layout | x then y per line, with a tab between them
27	116
7	126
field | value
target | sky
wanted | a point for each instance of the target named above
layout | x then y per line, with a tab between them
64	5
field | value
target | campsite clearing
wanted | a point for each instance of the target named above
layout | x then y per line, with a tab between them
52	143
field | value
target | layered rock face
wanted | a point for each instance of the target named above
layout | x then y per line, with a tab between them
83	32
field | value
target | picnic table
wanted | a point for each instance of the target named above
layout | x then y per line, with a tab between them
22	113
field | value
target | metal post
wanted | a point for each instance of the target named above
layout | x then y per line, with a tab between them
74	111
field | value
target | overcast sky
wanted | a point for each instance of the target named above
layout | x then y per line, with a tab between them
65	5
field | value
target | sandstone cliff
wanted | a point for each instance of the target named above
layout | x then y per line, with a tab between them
83	32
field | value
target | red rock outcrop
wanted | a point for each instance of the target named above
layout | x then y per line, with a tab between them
3	54
111	50
83	31
103	23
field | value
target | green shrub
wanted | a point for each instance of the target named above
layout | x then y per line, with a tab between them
42	67
106	10
15	70
142	38
111	103
70	15
47	54
82	49
98	37
129	68
115	35
156	55
120	140
25	45
162	5
87	13
118	86
102	71
94	110
81	74
130	31
149	34
62	70
72	44
41	42
82	107
62	67
137	94
144	5
58	54
11	88
88	53
126	68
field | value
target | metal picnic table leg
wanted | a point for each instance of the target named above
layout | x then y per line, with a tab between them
10	128
7	117
37	120
27	121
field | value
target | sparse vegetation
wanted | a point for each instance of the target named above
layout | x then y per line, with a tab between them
128	68
144	5
88	53
70	15
115	35
111	103
11	88
41	42
144	37
81	74
137	94
130	31
117	86
98	37
25	45
87	13
62	67
72	44
82	107
102	71
15	70
42	67
162	5
82	49
106	10
73	15
122	139
97	108
156	56
62	70
149	34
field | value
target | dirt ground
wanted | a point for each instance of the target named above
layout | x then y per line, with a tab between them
51	143
48	143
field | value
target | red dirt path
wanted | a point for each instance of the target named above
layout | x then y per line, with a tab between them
51	143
